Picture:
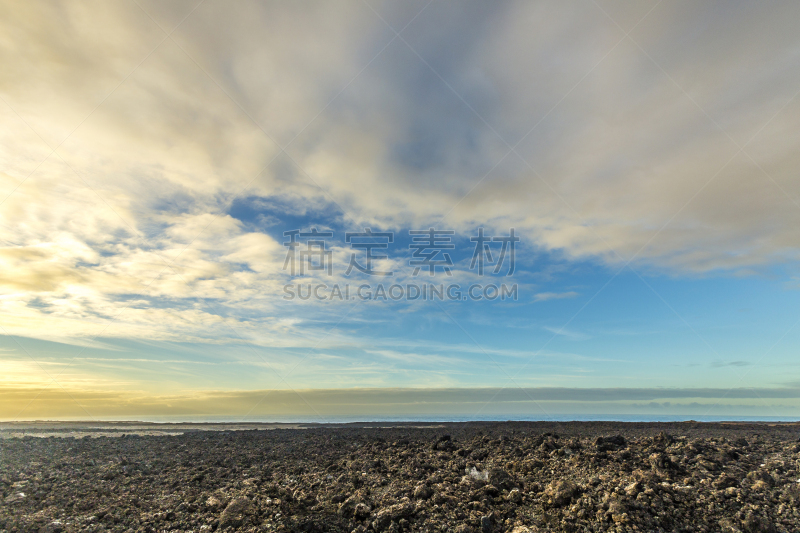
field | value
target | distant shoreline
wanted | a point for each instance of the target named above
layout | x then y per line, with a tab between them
116	429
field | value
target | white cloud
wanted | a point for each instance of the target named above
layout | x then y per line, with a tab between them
544	296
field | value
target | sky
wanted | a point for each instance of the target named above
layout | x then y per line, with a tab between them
156	158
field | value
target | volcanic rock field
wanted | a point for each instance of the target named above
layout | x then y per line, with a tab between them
477	477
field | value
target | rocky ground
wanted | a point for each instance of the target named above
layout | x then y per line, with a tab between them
481	477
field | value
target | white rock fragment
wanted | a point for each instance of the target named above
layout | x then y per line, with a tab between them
477	475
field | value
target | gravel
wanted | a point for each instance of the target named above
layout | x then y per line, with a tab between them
477	477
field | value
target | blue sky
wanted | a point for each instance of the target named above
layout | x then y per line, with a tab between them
153	156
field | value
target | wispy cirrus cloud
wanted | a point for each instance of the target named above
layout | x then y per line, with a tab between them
544	296
720	364
567	332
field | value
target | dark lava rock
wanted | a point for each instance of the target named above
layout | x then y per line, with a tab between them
614	442
661	462
725	481
392	513
53	527
560	492
235	513
353	507
757	524
422	492
514	496
760	475
486	524
444	443
500	478
663	439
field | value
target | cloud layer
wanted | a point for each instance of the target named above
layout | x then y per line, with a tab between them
662	134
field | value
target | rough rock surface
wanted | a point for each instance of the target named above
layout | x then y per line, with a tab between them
477	477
